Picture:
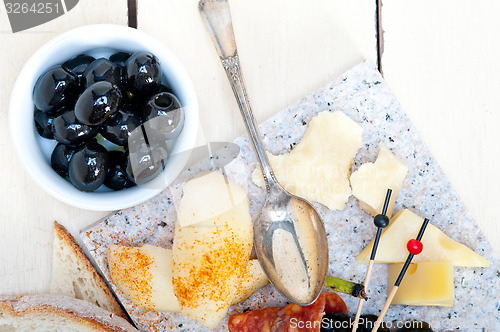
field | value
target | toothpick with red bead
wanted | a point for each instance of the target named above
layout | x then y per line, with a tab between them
381	221
414	247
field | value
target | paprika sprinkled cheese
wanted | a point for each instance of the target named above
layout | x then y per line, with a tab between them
205	280
144	274
253	279
211	255
124	264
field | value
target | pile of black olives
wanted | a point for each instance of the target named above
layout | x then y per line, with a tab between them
112	118
341	322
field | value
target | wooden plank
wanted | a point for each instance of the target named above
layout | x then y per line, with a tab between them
288	48
441	60
26	212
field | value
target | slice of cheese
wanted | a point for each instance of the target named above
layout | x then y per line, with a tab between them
425	283
253	279
209	257
437	246
371	181
144	274
317	169
216	199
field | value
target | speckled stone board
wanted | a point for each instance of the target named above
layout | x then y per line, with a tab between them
362	94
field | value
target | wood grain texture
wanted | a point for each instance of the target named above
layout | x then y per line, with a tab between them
26	212
441	60
287	48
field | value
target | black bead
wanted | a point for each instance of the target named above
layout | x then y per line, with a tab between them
381	221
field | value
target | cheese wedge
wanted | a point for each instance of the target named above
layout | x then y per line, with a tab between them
210	256
437	246
425	283
371	181
251	281
317	169
216	195
144	274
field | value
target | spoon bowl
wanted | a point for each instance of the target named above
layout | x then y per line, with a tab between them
289	236
290	244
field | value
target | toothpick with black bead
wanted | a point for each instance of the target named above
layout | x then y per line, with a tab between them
381	221
415	247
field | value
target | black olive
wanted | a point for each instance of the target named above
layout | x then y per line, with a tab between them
163	116
367	322
117	178
60	158
102	70
143	72
164	88
88	167
54	88
68	130
97	103
122	98
43	124
78	64
145	162
120	127
119	58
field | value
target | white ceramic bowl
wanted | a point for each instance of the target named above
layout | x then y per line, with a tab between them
97	40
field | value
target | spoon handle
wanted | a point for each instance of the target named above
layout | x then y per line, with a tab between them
217	19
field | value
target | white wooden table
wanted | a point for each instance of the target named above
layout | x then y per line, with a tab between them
440	58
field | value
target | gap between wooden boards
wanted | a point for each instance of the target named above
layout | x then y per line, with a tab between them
132	22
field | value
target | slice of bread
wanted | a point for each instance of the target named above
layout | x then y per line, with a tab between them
73	275
57	313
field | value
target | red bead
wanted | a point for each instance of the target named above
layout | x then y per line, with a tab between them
414	247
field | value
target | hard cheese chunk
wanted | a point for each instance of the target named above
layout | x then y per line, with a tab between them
437	246
317	169
210	256
425	283
216	195
144	274
251	281
371	181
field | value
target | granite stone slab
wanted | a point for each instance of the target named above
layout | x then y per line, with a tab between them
362	94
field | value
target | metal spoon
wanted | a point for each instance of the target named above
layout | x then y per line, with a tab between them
289	235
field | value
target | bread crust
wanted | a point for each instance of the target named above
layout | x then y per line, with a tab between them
77	313
64	236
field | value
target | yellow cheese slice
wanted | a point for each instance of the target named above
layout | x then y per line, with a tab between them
425	283
253	279
437	246
209	257
144	274
215	199
371	181
317	169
